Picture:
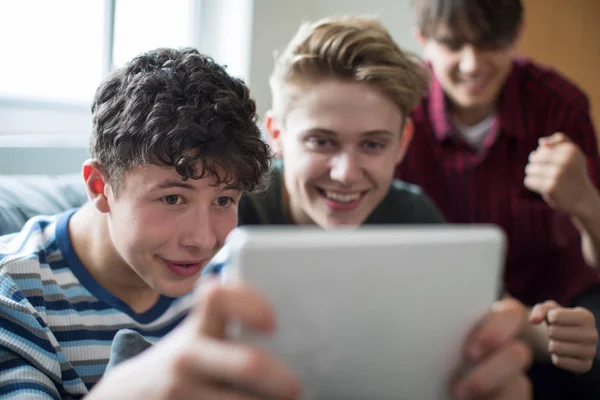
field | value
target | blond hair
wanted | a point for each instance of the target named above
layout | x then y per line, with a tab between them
354	49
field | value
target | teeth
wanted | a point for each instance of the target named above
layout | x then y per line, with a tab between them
342	197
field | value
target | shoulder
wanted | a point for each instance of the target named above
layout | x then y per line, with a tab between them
29	354
407	193
545	82
26	256
36	239
23	261
264	207
406	203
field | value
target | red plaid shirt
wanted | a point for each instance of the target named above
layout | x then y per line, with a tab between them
544	259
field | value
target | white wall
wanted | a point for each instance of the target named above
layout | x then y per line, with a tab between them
276	21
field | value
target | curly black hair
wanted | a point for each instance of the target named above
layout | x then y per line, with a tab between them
173	108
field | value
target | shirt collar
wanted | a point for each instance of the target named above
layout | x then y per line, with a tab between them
509	117
439	111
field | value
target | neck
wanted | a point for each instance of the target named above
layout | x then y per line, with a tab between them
285	204
471	116
92	242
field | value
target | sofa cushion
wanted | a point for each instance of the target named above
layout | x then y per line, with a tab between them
25	196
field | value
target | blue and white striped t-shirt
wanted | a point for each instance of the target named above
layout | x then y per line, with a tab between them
56	322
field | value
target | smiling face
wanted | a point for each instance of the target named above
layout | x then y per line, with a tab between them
471	74
340	142
167	229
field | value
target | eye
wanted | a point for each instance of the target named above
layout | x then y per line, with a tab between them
225	201
371	145
320	143
171	199
451	44
493	45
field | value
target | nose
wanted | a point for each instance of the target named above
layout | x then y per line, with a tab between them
470	60
198	232
345	168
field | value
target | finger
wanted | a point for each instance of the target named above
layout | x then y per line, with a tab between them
554	139
536	183
572	364
540	170
202	391
519	388
572	334
491	375
218	304
542	155
540	311
217	393
538	314
240	365
501	325
578	316
572	350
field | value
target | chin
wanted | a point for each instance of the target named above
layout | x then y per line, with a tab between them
473	103
178	289
343	223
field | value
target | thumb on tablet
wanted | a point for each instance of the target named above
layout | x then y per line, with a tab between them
540	311
218	303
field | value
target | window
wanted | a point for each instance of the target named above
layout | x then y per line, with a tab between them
141	25
52	50
58	49
55	54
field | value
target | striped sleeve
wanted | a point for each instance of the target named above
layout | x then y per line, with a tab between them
29	366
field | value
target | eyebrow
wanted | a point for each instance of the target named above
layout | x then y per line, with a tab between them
449	39
237	188
178	184
172	184
322	131
480	41
331	133
378	133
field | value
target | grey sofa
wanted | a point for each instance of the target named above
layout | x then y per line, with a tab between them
25	196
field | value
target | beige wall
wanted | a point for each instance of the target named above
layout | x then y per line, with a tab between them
565	34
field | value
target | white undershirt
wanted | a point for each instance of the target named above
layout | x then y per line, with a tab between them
475	135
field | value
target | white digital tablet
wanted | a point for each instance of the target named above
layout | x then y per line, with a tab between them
376	313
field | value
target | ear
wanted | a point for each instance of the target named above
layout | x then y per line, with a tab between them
421	39
95	185
405	139
273	128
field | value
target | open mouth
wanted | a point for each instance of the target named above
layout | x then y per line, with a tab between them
342	201
476	85
188	268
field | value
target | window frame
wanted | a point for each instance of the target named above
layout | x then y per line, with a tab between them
25	118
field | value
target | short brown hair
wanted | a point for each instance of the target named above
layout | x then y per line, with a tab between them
488	22
172	108
356	49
